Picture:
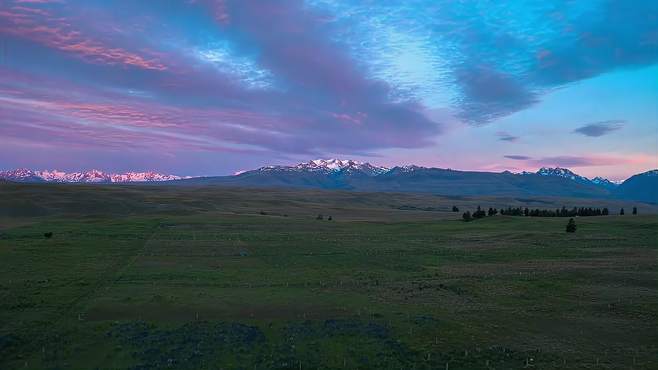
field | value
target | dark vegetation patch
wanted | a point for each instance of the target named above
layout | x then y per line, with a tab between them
189	346
325	344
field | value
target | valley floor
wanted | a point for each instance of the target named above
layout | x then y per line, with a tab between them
152	277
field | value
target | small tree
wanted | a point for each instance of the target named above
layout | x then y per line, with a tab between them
455	209
571	226
48	235
621	212
329	218
634	210
467	216
320	217
605	212
479	213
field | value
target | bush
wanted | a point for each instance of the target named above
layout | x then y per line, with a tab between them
329	218
571	226
48	235
320	217
455	209
479	213
467	216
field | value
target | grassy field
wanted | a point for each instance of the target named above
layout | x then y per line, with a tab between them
202	278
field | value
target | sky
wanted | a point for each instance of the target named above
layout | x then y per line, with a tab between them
211	87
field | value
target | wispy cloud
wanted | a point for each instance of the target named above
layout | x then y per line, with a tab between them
518	157
53	31
596	129
504	136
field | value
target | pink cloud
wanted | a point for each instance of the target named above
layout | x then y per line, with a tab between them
41	26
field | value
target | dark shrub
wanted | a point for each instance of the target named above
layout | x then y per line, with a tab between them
48	235
571	226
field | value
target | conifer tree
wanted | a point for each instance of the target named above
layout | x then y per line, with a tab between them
571	226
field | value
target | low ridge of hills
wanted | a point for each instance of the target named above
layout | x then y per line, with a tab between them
360	176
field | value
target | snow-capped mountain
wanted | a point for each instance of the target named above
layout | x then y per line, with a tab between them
568	174
92	176
329	166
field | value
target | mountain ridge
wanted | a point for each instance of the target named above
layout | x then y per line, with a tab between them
359	176
363	176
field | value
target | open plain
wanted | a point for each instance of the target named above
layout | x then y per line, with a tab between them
141	277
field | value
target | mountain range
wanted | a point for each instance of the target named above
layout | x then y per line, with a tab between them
359	176
353	175
93	176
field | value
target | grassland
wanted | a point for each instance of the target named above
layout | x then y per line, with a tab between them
202	278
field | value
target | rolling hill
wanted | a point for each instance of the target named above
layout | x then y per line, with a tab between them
643	186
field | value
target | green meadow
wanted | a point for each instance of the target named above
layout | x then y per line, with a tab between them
150	277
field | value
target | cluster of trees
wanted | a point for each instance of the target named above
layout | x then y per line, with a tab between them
321	217
479	213
560	212
519	211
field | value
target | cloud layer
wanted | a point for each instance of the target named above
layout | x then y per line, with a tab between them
199	90
576	161
299	78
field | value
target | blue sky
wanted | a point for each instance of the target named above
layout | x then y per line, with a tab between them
197	87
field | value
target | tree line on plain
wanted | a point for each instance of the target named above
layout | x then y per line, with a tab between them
519	211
